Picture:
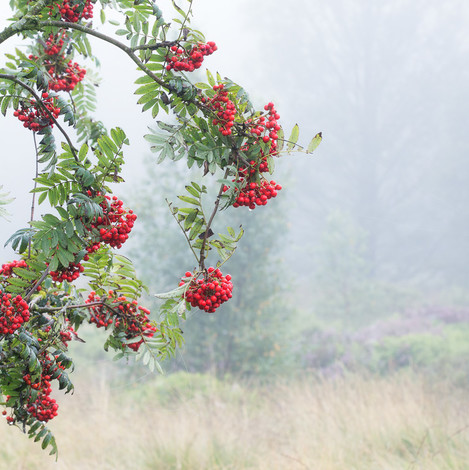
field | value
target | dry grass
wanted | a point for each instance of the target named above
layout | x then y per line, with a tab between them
345	424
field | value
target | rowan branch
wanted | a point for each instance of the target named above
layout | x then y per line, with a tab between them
12	78
209	223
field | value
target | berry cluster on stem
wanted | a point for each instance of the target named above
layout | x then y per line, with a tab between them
72	11
43	407
210	292
64	75
34	116
126	316
14	311
223	107
188	61
116	222
69	273
252	188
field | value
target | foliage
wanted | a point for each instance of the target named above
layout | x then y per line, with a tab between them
248	335
214	127
432	341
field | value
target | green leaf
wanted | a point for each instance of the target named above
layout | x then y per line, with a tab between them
173	294
83	152
313	145
196	229
42	197
189	200
193	191
210	79
190	219
293	139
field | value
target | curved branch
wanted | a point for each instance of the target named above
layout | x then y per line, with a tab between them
12	78
152	47
36	25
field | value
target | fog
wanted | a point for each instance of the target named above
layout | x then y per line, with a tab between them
384	201
345	344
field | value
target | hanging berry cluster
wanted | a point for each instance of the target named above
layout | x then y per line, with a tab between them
63	75
116	223
34	116
69	273
14	311
188	61
223	107
252	188
256	193
67	333
54	43
210	292
7	268
43	407
267	128
73	11
126	316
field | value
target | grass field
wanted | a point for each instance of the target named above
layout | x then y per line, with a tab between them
196	422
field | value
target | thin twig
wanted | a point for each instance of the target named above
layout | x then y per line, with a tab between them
209	223
182	228
36	155
36	284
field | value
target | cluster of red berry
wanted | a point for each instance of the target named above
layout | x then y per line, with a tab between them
267	128
44	408
99	313
34	116
67	334
54	43
73	10
127	316
91	249
69	273
64	77
116	223
256	193
223	107
14	311
254	190
188	61
133	319
210	292
7	268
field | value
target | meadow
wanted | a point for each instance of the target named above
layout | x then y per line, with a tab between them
185	421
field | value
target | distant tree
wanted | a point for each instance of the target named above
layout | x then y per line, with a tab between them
391	96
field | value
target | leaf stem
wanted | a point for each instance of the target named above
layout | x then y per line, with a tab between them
183	231
209	223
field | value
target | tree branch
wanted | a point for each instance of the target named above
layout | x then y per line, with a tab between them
12	78
152	47
209	223
36	284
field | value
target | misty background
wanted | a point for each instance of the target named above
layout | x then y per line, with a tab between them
370	229
346	342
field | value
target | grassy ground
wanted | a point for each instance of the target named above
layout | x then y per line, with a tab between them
195	422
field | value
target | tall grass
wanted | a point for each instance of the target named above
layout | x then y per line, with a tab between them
196	422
